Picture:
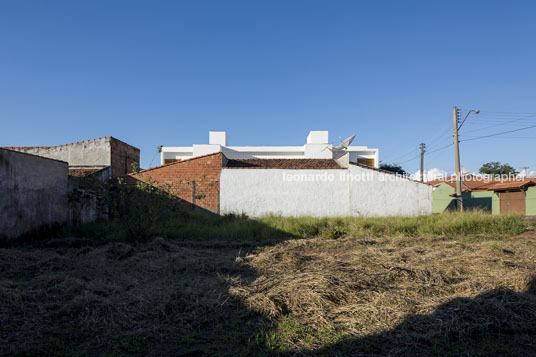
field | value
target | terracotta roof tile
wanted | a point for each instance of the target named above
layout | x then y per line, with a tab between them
179	161
469	184
512	185
288	164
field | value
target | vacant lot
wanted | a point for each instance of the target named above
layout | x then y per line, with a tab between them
360	294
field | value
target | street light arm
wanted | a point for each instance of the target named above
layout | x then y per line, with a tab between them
464	119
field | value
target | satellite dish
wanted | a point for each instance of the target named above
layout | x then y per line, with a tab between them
343	145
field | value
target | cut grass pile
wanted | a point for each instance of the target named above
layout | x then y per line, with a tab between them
68	298
448	284
367	295
396	296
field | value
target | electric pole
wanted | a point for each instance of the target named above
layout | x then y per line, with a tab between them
459	197
457	126
422	161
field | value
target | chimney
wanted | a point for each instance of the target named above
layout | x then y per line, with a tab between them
217	138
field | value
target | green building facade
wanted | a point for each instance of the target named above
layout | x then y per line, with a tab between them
531	201
487	201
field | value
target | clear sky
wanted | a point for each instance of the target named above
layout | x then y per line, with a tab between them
267	72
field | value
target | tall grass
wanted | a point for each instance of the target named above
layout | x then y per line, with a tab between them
182	225
187	225
445	224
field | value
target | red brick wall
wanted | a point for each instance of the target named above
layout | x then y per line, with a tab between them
180	177
123	156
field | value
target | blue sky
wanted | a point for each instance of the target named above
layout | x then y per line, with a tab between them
267	72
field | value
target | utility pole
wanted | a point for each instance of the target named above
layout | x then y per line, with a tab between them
459	197
422	161
457	125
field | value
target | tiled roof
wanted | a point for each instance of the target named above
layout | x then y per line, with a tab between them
288	164
512	185
179	161
469	184
480	184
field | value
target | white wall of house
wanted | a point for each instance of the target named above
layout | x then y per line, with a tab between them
355	191
259	192
317	146
382	194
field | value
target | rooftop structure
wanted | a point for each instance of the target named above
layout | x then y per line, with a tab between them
317	146
106	153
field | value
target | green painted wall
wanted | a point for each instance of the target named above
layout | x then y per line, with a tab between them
484	200
531	201
496	209
441	200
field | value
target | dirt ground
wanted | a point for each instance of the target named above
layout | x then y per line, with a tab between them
318	296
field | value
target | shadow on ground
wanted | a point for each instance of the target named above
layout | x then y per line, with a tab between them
105	293
499	322
68	297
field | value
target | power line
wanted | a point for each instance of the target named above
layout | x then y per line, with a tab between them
508	137
402	156
504	132
441	148
495	112
426	154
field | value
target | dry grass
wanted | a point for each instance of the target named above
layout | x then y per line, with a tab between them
369	295
157	298
398	296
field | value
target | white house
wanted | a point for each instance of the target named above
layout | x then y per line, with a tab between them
316	147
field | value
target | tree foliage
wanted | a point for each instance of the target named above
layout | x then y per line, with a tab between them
496	168
394	168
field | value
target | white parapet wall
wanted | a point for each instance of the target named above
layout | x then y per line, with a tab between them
355	191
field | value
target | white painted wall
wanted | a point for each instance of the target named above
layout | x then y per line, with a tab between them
382	194
261	192
353	192
316	147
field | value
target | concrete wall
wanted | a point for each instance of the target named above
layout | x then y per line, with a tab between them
382	194
95	153
274	191
355	191
84	205
88	153
33	192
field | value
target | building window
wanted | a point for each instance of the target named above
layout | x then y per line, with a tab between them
169	161
368	162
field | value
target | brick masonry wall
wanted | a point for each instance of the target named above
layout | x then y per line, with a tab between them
122	157
203	172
